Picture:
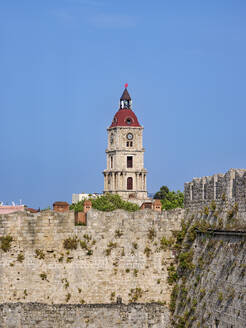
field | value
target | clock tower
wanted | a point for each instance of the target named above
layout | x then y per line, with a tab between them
125	174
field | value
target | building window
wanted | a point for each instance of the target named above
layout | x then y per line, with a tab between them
129	162
129	183
129	121
111	162
129	144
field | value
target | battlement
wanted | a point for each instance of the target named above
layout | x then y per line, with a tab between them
230	186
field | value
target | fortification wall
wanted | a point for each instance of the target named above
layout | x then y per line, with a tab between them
81	316
118	254
211	292
229	187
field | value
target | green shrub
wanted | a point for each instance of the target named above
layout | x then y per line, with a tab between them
165	243
110	202
147	251
151	234
185	261
112	296
220	297
213	205
110	246
39	254
68	296
43	276
206	210
230	214
135	294
118	233
89	252
6	242
170	199
173	298
70	243
83	244
172	274
20	257
78	207
66	283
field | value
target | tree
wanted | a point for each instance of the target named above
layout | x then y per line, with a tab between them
170	199
162	194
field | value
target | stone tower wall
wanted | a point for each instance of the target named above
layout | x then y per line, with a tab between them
117	172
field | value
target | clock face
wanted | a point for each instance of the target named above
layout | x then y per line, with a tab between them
129	136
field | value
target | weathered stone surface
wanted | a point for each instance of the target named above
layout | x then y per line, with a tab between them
112	262
83	316
213	293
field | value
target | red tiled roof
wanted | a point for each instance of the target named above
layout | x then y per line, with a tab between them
125	117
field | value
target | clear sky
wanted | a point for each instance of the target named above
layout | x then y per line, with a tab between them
63	66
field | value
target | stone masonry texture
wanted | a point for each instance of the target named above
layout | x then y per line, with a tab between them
118	254
83	316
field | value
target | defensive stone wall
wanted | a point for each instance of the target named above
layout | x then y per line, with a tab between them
117	254
211	287
229	187
81	316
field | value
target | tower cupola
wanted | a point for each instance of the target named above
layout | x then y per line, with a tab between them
125	100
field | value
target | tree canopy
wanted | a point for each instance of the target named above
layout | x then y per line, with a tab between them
170	199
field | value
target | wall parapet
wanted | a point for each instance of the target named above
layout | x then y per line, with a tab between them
230	186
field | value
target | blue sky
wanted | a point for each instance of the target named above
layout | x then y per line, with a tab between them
63	67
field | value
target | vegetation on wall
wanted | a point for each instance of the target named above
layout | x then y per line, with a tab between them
170	199
78	207
107	202
6	242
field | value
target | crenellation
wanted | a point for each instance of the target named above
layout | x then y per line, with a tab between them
230	186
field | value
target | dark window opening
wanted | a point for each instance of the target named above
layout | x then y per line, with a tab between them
111	162
129	162
130	143
127	144
129	183
128	121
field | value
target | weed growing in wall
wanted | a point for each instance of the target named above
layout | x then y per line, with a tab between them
39	254
43	276
70	243
6	242
151	233
147	251
109	248
135	294
118	233
20	257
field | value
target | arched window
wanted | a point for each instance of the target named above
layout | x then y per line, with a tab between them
129	183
